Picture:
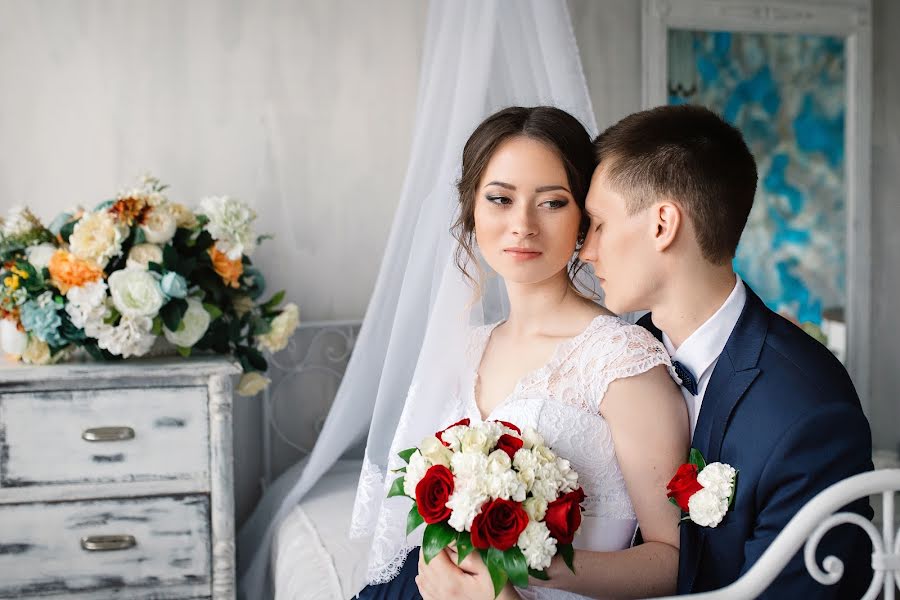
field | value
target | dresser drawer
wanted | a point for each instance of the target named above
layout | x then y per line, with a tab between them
42	547
103	436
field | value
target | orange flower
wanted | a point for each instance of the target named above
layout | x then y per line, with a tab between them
229	270
67	271
130	209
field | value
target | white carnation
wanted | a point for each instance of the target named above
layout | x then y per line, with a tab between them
131	337
282	328
453	437
718	478
468	466
230	225
505	485
537	545
135	293
39	255
193	325
706	508
87	307
464	503
567	479
415	471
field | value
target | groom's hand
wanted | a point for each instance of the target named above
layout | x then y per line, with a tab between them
442	578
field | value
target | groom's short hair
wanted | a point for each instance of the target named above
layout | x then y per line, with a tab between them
692	156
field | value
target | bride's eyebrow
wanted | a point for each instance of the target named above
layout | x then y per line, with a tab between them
508	186
551	188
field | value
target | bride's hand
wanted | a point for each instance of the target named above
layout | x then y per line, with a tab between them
443	578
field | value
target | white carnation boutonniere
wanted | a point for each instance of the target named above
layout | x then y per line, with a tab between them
704	492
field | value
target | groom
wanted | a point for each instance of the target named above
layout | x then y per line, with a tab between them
668	203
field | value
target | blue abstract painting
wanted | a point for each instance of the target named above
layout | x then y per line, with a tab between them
786	93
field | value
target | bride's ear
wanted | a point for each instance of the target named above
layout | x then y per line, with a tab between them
668	220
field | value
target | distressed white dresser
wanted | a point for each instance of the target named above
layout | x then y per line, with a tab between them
116	480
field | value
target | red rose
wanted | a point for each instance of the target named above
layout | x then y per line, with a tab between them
509	444
510	425
499	524
684	485
432	493
439	434
564	516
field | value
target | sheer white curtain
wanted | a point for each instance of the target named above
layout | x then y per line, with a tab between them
479	56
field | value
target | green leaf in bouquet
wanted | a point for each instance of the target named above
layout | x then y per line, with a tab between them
170	258
113	316
214	311
172	313
733	489
261	238
464	546
516	566
400	470
260	326
139	236
673	501
184	351
405	454
203	241
257	361
568	555
542	575
273	302
66	230
155	267
437	537
397	488
493	558
157	326
413	519
234	330
696	458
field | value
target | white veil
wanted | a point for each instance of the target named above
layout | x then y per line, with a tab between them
479	56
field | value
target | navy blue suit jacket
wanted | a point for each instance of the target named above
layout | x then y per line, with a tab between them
781	409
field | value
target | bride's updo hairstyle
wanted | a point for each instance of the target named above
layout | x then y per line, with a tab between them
559	131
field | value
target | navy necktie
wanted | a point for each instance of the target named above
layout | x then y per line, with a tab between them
688	381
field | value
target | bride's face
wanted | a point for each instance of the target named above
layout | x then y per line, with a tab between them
526	219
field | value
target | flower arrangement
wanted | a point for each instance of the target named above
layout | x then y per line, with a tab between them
493	488
136	271
704	492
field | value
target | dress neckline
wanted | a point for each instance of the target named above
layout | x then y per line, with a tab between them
562	350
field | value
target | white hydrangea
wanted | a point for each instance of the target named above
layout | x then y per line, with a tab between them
464	503
537	545
39	256
230	225
415	471
706	508
718	478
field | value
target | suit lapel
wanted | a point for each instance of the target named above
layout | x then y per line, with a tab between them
735	371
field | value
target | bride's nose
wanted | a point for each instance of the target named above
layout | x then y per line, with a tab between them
524	224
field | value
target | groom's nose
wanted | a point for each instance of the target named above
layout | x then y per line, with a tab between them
588	252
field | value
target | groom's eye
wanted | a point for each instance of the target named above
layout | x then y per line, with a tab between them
502	200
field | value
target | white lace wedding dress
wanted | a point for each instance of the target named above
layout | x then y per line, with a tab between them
562	401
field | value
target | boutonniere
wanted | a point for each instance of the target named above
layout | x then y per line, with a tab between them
703	492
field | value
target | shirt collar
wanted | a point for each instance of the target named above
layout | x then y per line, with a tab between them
701	349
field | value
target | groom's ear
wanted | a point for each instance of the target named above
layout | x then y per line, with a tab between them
668	221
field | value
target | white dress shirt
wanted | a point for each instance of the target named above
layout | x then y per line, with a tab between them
700	351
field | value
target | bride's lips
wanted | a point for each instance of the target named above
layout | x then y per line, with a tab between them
522	253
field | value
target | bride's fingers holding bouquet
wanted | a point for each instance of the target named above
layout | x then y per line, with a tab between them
443	578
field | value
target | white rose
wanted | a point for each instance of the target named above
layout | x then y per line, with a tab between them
97	237
706	508
135	293
230	225
438	454
252	383
192	327
464	503
718	478
141	255
159	225
415	471
12	341
498	462
39	255
453	437
283	327
531	438
536	508
537	545
544	454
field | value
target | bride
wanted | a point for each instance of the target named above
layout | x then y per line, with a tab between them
596	387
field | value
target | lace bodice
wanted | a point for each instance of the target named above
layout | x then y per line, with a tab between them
562	401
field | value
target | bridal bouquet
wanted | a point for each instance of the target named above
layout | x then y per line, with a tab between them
493	488
137	270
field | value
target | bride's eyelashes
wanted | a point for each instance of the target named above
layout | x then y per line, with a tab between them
506	201
499	200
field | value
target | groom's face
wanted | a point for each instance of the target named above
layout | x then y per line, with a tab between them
620	247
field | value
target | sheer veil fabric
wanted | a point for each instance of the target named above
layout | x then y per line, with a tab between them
479	56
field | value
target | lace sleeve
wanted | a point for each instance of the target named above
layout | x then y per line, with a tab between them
625	351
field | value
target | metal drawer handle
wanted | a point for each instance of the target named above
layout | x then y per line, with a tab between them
108	434
103	543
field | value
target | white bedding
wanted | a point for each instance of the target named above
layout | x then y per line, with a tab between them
313	557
